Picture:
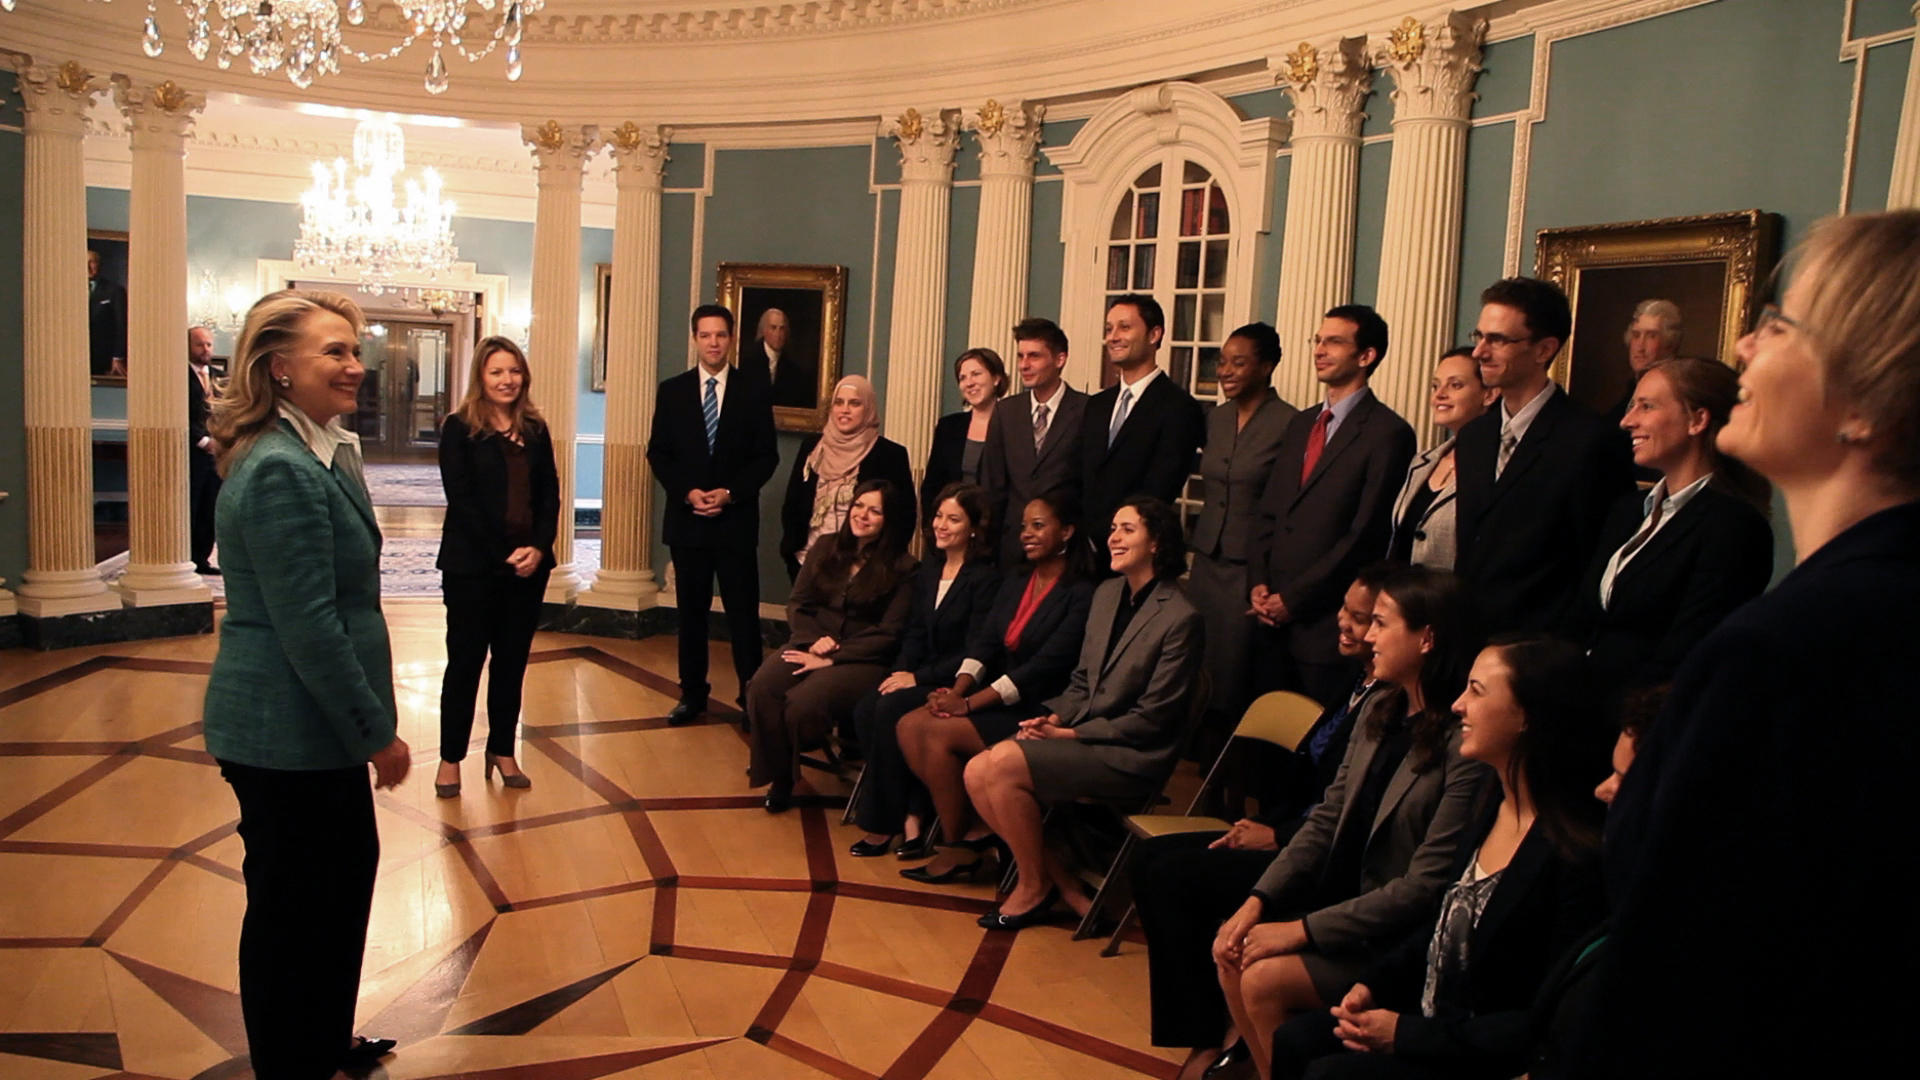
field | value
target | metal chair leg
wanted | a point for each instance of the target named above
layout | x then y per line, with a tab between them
853	796
1120	931
1092	918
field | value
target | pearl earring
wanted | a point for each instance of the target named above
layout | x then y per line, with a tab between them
285	380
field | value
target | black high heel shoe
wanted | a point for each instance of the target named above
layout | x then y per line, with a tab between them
516	780
779	798
916	848
972	869
867	849
1034	916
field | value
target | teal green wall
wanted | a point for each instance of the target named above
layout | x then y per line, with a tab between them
1483	227
1047	257
1370	226
1266	300
13	433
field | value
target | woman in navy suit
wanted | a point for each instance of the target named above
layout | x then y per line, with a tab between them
960	438
950	602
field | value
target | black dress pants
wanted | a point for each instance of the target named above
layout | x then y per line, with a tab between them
695	567
203	494
1184	891
888	789
496	615
312	851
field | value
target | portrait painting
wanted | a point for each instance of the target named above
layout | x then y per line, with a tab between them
602	304
790	328
107	307
1713	269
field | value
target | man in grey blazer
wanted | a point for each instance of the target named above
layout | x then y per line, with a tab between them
1033	444
1326	511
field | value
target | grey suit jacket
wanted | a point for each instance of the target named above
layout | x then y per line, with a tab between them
1411	843
1233	474
1435	540
1014	474
1131	709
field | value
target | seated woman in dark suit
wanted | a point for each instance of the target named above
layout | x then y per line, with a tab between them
1672	565
1369	864
496	550
950	603
848	611
1452	1001
1023	655
960	438
1118	728
848	452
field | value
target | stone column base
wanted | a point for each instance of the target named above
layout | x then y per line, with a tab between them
663	619
66	631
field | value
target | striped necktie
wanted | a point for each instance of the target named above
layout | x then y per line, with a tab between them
711	406
1120	410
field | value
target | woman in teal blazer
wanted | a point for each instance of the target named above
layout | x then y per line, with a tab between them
301	695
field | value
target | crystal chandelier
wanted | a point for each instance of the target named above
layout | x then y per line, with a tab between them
355	222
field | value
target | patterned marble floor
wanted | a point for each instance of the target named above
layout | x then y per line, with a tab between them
635	914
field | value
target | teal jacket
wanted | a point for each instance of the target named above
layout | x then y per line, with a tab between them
304	679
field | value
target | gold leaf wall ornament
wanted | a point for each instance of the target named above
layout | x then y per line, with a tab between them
74	78
1407	41
1303	64
550	136
169	97
993	117
912	126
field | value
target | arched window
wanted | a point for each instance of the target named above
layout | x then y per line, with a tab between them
1172	237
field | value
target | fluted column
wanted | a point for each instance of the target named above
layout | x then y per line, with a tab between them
914	345
1904	194
60	578
560	157
1329	84
160	566
633	368
1433	66
1008	136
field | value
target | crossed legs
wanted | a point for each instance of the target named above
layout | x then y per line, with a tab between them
1001	786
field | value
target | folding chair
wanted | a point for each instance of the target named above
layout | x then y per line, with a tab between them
1281	718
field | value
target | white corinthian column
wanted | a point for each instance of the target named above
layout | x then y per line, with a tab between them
560	156
625	581
160	568
60	578
1008	135
1329	84
1433	65
1904	194
914	345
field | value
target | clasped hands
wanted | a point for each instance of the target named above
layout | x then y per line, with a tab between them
524	560
1267	606
1362	1025
709	503
813	657
1044	727
1244	939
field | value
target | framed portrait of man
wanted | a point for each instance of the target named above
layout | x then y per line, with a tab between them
107	307
790	327
1698	280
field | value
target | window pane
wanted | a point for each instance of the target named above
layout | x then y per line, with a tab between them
1147	220
1196	173
1123	219
1143	267
1183	317
1217	211
1216	264
1193	204
1188	276
1148	179
1207	380
1213	318
1117	267
1182	359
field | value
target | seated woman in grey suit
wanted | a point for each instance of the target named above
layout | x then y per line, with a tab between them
848	611
1423	514
301	695
1370	862
951	597
1117	730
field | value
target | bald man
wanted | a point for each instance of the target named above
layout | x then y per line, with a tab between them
792	376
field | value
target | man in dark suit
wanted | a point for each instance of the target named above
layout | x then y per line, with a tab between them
1535	476
792	376
1142	435
713	449
203	479
106	321
1327	511
1033	444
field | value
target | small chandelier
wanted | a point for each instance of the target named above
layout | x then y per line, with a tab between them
354	220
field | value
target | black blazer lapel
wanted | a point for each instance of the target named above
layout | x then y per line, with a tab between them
1530	862
1532	446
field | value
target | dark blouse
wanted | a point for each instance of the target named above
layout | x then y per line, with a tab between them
519	519
1124	612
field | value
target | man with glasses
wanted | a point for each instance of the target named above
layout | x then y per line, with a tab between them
1535	476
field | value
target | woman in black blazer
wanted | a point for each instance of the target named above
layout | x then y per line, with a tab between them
960	438
496	552
1452	1000
1672	564
848	453
950	602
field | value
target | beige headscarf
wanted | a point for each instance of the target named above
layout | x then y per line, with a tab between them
837	457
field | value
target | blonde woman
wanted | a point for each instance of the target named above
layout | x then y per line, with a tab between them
301	695
848	452
496	552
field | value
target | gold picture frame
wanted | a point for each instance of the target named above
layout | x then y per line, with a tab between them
109	305
1714	266
813	300
602	304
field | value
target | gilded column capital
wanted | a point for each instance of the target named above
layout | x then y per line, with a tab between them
56	98
159	115
640	152
928	142
1008	134
560	151
1328	84
1433	64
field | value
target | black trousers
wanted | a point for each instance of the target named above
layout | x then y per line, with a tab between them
312	851
1184	891
485	615
694	569
203	493
888	789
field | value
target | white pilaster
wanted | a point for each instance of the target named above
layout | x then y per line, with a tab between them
1329	84
560	156
60	578
1008	135
1433	65
1904	194
160	568
915	365
626	579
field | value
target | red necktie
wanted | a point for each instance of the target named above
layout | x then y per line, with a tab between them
1316	442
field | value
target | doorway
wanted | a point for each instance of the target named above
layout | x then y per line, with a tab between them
404	396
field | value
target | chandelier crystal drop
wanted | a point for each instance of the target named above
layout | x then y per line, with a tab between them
356	223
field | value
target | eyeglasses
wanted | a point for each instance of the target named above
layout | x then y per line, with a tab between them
1496	341
1770	316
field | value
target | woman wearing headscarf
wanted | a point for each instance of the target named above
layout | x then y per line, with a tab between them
848	451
